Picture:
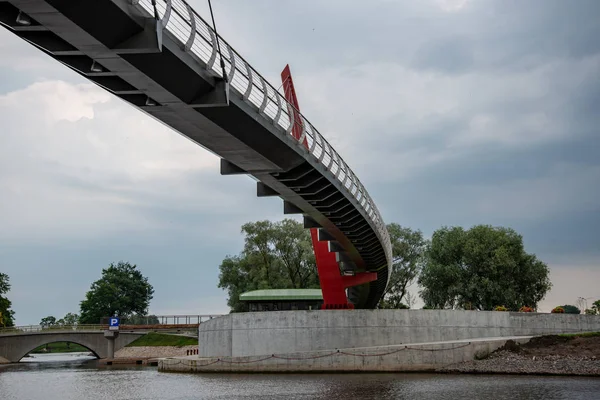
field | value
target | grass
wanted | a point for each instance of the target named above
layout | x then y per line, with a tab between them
583	334
59	347
161	339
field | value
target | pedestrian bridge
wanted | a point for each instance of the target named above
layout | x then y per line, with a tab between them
163	58
15	344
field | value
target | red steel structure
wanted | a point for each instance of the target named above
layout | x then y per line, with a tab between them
333	283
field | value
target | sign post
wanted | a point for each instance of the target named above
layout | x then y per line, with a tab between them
113	324
111	334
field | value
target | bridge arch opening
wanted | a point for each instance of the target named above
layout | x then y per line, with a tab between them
60	348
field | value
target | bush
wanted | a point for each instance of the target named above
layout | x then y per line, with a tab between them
591	311
571	309
500	308
558	310
526	309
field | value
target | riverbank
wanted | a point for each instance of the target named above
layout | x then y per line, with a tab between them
151	346
572	355
144	352
154	339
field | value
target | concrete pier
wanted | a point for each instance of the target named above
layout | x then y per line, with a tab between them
282	332
363	340
400	358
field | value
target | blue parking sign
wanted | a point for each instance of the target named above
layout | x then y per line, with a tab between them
113	323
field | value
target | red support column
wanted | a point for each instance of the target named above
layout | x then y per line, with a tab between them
333	284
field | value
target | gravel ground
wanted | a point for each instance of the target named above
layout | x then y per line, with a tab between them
510	363
542	355
153	351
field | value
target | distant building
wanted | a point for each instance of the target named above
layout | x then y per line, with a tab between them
283	299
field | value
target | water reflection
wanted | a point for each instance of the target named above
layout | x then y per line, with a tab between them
58	357
70	376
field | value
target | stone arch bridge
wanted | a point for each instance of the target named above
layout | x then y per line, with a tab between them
13	347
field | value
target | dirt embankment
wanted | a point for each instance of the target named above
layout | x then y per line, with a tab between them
544	355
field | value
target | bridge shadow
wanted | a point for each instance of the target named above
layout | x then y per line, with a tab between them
58	351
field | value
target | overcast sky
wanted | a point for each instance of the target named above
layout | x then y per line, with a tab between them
451	113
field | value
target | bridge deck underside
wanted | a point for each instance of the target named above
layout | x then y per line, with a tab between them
115	46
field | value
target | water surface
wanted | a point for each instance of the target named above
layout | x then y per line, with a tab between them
75	376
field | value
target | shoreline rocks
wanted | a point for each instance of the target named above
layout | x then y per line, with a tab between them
506	362
544	355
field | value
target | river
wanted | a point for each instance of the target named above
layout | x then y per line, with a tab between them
76	376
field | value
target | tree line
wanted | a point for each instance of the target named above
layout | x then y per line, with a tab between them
6	314
481	268
121	291
476	269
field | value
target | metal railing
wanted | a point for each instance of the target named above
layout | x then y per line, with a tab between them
164	319
198	39
154	322
19	330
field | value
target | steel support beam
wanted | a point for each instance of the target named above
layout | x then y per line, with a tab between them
228	168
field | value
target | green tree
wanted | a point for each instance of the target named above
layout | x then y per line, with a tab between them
122	291
48	321
141	320
570	309
6	314
408	248
481	268
70	319
276	255
596	306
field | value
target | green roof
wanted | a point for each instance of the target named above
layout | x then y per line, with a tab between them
282	294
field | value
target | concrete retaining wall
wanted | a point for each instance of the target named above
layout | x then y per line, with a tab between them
420	357
284	332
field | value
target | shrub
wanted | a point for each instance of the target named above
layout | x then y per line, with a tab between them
571	309
558	310
591	311
500	308
526	309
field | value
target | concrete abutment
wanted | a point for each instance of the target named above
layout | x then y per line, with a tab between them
363	340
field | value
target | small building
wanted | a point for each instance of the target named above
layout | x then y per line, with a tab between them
283	299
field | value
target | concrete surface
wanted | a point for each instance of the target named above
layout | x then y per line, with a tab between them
399	358
154	351
15	347
285	332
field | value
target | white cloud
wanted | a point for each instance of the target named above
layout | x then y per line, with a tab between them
452	5
72	157
53	102
75	161
369	111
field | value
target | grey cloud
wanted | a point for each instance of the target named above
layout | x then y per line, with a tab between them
511	34
505	59
451	55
